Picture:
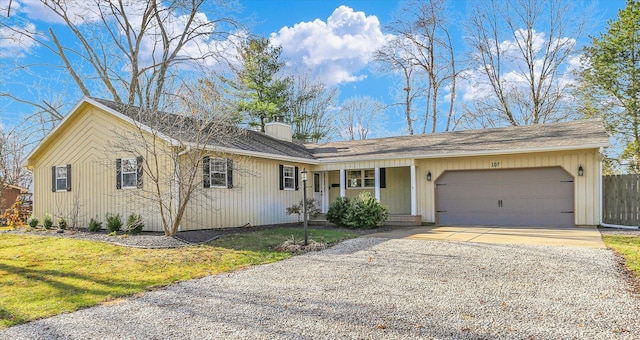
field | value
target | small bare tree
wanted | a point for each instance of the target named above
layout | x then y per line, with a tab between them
170	148
521	49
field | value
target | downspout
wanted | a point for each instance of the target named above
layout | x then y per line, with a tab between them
607	225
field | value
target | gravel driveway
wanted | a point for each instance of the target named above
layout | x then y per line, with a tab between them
375	288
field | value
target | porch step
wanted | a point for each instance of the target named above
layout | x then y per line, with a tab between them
393	220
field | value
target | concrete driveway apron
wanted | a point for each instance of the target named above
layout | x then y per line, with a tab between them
564	237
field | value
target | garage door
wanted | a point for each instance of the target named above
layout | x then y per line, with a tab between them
513	197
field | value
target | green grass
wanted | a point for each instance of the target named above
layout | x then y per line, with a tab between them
629	248
42	276
263	241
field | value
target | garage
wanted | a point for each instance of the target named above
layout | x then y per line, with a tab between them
506	197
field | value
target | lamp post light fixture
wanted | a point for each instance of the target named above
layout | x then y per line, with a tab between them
580	170
304	203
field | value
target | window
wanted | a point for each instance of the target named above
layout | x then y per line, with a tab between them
61	178
361	178
288	177
217	172
129	173
316	182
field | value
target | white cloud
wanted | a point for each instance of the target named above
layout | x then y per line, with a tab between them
335	50
15	44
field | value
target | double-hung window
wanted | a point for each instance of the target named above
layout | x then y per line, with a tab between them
61	178
217	172
218	168
288	177
129	173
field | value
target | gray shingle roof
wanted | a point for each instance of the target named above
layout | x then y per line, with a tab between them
543	137
243	139
531	138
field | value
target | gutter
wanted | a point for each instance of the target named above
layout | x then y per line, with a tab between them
607	225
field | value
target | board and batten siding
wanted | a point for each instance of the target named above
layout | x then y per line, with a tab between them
85	142
396	196
255	199
587	188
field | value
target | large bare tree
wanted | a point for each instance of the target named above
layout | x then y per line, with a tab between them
520	51
311	107
422	52
130	51
358	116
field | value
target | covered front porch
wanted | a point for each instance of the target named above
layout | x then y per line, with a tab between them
393	186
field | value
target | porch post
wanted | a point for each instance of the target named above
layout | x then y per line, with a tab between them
414	206
343	185
377	185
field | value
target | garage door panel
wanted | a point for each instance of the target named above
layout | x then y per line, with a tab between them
519	197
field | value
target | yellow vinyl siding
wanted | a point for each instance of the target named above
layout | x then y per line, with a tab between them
256	198
86	142
587	190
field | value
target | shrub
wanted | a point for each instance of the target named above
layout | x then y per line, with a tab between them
114	222
365	212
62	223
32	221
134	224
47	222
298	209
94	225
338	211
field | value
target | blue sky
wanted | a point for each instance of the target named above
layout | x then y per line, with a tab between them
334	39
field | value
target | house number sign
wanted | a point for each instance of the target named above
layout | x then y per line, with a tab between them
495	164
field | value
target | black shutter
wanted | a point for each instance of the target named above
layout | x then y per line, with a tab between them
344	178
139	166
53	178
383	177
296	178
230	173
119	173
281	177
68	177
206	173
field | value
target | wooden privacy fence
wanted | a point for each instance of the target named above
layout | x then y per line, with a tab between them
620	199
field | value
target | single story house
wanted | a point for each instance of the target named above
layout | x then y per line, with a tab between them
540	175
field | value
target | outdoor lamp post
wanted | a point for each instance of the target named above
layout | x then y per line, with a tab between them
304	203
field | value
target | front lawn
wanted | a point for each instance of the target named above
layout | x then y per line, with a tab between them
629	248
42	276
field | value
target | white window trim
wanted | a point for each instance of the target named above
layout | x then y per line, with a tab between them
135	172
284	177
224	172
66	178
361	178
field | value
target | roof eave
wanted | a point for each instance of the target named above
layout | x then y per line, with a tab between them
261	155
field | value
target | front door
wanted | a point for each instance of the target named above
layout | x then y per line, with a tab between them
318	190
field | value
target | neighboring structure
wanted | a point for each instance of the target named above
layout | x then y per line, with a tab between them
546	175
10	194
